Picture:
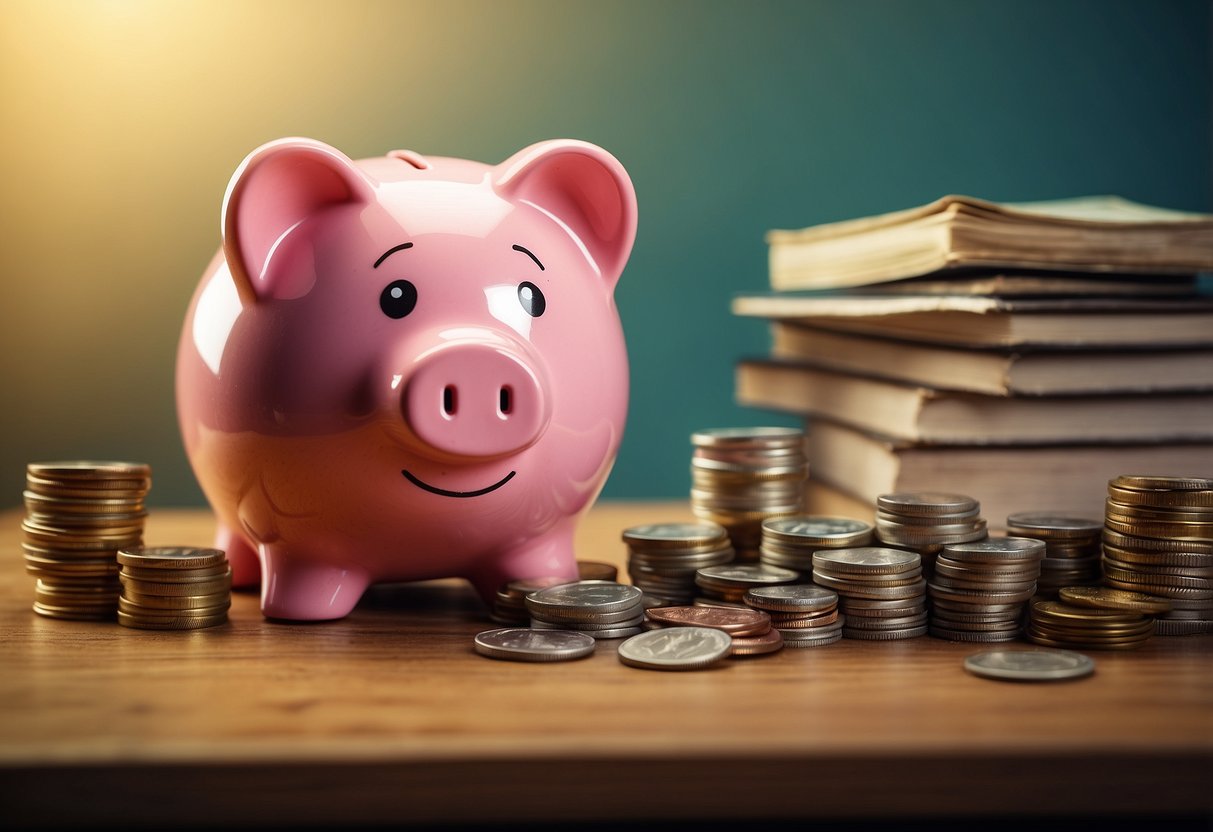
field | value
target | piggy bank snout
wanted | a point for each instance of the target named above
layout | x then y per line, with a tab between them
475	400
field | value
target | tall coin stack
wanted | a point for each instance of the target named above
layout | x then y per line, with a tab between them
600	609
789	542
925	522
743	476
1071	549
664	557
173	587
880	591
980	588
1158	539
77	516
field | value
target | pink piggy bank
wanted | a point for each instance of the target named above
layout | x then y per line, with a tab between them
406	367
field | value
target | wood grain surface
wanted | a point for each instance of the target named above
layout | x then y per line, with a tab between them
389	716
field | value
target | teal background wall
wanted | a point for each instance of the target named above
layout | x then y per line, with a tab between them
122	122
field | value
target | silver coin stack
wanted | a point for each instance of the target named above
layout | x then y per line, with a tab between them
743	476
924	522
600	609
881	591
725	586
1071	549
980	589
803	614
664	557
789	542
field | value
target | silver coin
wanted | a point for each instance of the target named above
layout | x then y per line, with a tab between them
816	527
688	532
925	503
522	645
791	598
996	549
766	437
867	559
1029	665
603	597
747	574
676	648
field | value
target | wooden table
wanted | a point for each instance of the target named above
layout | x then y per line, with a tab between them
389	717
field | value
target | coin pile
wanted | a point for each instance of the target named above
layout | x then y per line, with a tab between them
1057	624
743	476
804	615
1158	539
789	542
1071	549
77	516
725	586
600	609
750	629
173	587
924	522
980	588
509	607
664	557
881	591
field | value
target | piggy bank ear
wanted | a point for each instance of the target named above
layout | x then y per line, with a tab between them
278	186
584	188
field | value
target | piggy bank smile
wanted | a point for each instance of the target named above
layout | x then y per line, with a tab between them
442	492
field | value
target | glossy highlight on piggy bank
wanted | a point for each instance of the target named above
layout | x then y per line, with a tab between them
406	367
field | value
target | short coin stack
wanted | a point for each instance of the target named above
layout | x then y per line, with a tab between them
881	591
1071	549
509	607
725	586
980	588
664	557
789	542
924	522
600	609
77	516
750	629
1057	624
1158	539
803	614
173	587
743	476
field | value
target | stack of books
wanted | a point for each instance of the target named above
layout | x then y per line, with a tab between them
1023	355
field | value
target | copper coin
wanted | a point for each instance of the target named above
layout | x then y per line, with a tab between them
736	622
769	642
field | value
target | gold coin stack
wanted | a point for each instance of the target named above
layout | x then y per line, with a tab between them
803	614
881	591
664	557
173	587
980	588
789	542
743	476
725	586
925	522
1071	549
77	516
1056	624
1158	539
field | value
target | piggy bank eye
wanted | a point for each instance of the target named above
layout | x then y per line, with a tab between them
398	298
531	299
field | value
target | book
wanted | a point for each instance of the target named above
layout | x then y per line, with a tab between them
997	372
1087	234
922	414
982	321
1039	284
1071	480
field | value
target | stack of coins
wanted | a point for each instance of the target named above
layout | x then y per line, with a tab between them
881	591
664	557
77	516
750	629
979	589
600	609
173	587
509	607
1057	624
789	542
925	522
725	586
804	615
743	476
1158	539
1071	549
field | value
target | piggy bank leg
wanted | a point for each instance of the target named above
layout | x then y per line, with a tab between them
298	589
550	554
246	566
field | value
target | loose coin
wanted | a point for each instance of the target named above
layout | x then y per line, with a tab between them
676	648
525	645
1030	665
735	622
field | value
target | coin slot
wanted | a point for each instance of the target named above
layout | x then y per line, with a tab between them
449	401
505	400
